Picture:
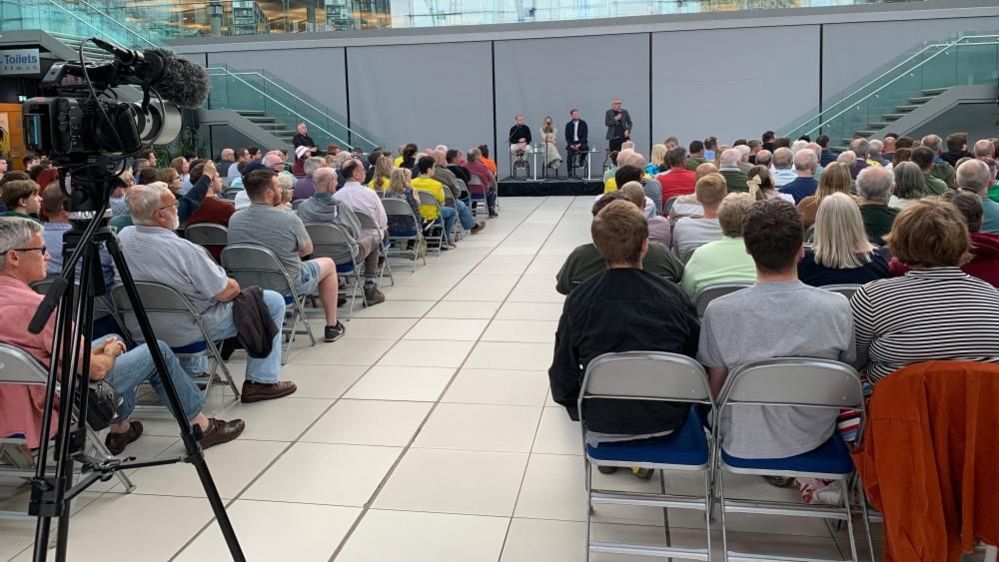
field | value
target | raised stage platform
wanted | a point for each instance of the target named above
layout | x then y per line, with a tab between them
510	187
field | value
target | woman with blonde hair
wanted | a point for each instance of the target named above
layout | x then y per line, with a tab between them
835	178
401	187
657	160
841	252
383	174
761	185
549	134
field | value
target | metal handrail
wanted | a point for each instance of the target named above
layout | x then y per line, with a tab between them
304	102
71	14
893	80
290	110
118	23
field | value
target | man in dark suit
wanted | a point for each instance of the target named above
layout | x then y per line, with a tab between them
576	133
618	123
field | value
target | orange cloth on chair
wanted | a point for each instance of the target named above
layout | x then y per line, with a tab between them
930	459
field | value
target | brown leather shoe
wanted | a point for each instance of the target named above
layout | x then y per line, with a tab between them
116	442
257	391
221	431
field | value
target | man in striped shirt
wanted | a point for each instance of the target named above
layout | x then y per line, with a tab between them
936	311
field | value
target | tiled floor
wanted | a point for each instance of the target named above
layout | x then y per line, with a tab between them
425	435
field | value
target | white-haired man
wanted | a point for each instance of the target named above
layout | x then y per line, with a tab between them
941	169
874	186
302	138
744	152
22	262
728	166
977	177
874	155
781	170
805	164
305	187
156	254
362	200
226	158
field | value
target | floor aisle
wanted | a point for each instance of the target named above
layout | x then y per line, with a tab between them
425	435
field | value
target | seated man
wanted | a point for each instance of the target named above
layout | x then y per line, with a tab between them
263	224
678	180
155	253
586	260
21	407
728	166
212	209
874	186
56	225
426	182
621	309
691	233
22	199
325	207
774	311
725	260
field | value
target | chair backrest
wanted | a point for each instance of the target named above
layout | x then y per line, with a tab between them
255	265
794	381
229	193
42	287
645	375
845	290
207	234
711	292
155	297
395	207
427	198
462	187
366	220
330	241
18	367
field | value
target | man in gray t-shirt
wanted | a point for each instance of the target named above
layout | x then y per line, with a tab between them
777	317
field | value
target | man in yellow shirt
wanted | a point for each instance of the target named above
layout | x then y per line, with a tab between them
426	182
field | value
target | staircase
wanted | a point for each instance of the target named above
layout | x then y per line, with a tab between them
268	123
902	87
90	50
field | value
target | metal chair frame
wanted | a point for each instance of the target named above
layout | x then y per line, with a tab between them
711	292
847	290
427	198
479	203
101	304
787	382
395	206
368	222
330	241
650	376
269	274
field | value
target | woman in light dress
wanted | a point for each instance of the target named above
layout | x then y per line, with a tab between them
548	132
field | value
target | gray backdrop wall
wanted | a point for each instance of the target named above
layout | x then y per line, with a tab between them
731	75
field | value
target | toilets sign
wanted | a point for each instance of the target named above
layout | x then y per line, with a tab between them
20	62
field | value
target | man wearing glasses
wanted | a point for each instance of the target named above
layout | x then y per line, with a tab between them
24	257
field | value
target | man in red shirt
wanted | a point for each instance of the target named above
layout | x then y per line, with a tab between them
212	210
678	180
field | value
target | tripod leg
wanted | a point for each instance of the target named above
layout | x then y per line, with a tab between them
195	455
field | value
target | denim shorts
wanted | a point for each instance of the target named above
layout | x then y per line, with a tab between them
308	278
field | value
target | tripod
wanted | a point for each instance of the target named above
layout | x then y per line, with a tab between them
52	494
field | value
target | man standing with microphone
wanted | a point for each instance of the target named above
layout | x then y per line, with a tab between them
618	123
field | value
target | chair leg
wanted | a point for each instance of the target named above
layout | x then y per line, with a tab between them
588	479
707	509
720	484
866	515
845	492
103	452
300	307
220	364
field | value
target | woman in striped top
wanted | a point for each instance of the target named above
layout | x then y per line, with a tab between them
934	312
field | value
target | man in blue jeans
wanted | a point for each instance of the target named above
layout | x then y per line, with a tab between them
155	253
23	259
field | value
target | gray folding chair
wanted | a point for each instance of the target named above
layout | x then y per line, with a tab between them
399	241
476	201
427	198
845	290
711	292
649	376
330	241
19	368
804	384
208	234
165	304
463	190
255	265
229	193
368	223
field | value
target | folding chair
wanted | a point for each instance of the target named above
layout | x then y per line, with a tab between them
255	265
229	193
427	198
845	290
712	292
102	306
477	196
655	377
781	383
207	234
170	305
400	207
17	367
462	190
368	223
330	241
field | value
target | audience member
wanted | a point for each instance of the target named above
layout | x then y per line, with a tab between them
56	225
454	163
874	187
909	185
768	138
657	160
476	166
728	167
382	176
156	254
146	176
957	148
23	262
484	157
226	158
724	260
835	180
696	155
22	199
888	147
212	209
305	186
444	175
172	178
805	184
764	158
841	252
901	155
364	201
183	167
744	163
827	157
117	200
401	187
984	263
773	237
924	158
941	169
691	233
754	148
678	180
781	169
624	308
874	155
261	224
324	208
586	260
936	312
860	149
977	177
761	185
660	227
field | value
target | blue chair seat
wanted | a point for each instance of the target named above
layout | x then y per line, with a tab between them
191	348
345	268
403	233
832	457
686	446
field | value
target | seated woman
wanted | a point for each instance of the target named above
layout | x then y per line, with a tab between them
761	185
401	187
383	175
936	311
835	179
910	185
841	252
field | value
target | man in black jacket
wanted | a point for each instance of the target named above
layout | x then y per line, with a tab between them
303	139
520	139
621	309
577	143
618	122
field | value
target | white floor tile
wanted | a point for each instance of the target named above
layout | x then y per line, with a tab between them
462	309
530	311
322	381
447	329
325	474
425	537
369	422
480	427
558	434
526	331
506	355
278	420
453	482
493	386
427	353
401	383
395	309
378	328
343	352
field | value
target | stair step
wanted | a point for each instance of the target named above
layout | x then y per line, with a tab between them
867	133
879	125
907	108
934	91
920	99
249	112
892	116
261	120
